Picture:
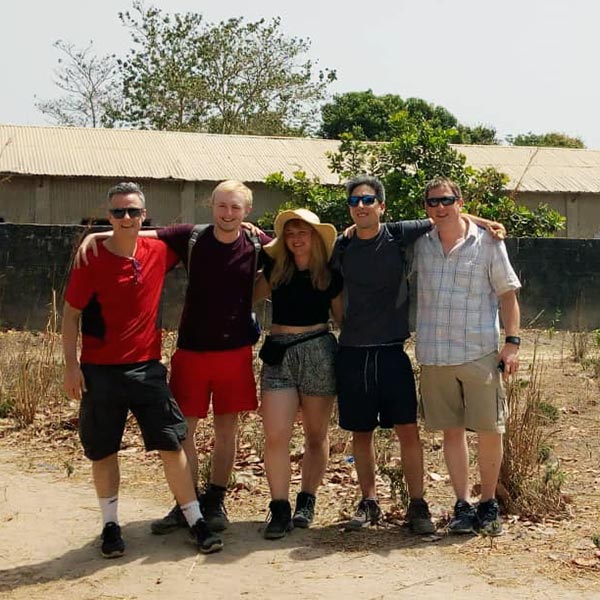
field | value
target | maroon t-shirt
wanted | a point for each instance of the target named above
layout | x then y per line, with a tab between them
218	300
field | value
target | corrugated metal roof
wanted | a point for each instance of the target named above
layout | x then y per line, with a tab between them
80	152
136	154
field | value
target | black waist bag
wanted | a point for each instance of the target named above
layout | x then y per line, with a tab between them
272	351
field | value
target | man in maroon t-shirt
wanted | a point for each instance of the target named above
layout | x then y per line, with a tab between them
116	296
213	361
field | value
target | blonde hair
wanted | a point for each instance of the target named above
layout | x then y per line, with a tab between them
284	266
232	185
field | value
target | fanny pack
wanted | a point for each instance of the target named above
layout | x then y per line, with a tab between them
273	351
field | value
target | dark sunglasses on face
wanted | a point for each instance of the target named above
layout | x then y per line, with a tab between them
367	200
119	213
443	200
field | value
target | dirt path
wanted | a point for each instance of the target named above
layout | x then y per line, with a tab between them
48	551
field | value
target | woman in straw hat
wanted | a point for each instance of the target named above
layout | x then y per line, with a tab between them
298	359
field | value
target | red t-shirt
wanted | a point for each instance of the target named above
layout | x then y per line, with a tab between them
120	299
218	300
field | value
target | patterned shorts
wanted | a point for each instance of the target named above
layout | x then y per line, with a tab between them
308	367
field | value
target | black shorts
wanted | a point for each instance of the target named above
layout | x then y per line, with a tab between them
376	386
113	390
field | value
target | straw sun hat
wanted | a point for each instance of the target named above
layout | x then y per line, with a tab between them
327	231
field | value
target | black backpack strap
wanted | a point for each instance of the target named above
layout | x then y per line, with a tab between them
197	231
340	248
257	248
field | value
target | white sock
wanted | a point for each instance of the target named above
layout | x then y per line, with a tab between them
109	508
191	512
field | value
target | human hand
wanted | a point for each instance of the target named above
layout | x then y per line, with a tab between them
74	382
252	228
350	231
508	360
88	243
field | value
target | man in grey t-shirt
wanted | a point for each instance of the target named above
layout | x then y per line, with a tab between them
375	379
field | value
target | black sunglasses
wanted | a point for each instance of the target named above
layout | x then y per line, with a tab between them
119	213
367	200
443	200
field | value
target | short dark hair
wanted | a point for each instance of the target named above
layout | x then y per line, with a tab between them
126	187
369	180
439	181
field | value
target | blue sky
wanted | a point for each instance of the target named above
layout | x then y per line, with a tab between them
527	65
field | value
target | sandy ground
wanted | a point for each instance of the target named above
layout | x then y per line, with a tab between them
49	550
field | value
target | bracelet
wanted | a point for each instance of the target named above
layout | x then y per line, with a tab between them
512	339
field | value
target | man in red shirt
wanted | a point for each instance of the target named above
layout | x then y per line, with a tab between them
116	297
213	361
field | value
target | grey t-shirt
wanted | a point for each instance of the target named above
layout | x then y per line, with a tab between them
375	287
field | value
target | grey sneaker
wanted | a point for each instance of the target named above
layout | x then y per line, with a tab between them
112	542
367	513
212	505
173	520
418	517
305	510
488	518
465	518
206	541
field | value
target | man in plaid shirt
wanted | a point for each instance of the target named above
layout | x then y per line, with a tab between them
464	276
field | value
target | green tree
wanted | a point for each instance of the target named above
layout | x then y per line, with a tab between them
553	139
233	77
415	154
88	85
369	117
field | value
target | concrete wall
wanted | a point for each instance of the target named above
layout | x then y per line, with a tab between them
561	278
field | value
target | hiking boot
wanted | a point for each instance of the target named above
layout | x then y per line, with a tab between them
280	521
465	518
173	520
112	542
367	513
488	519
418	517
206	541
212	505
305	510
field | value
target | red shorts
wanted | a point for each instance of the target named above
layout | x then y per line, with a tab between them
226	376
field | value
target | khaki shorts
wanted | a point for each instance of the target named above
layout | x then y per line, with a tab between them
470	395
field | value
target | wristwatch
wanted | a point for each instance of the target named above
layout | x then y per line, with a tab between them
512	339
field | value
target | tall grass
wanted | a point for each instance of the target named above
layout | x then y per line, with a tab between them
533	488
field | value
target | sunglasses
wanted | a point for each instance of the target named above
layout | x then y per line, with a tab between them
119	213
367	200
443	200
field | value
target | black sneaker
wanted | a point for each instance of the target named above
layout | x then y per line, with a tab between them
465	518
305	510
488	518
212	505
418	517
173	520
280	520
112	542
367	513
204	538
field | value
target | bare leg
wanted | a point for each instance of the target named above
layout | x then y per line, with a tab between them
412	458
364	458
223	454
189	446
179	477
279	408
490	459
106	476
316	412
456	453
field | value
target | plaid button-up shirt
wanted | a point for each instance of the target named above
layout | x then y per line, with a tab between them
457	307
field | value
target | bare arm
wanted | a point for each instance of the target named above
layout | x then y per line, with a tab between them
511	319
90	242
497	230
74	382
337	309
262	288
